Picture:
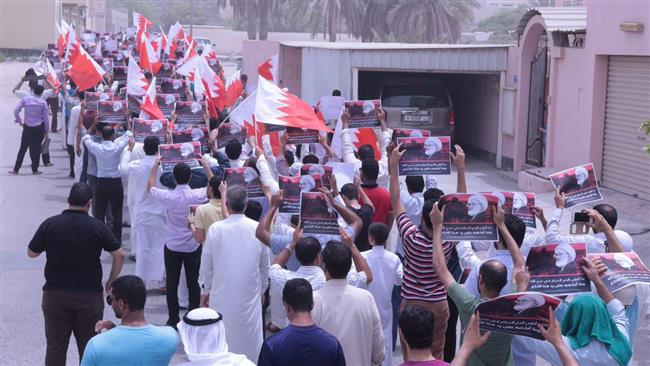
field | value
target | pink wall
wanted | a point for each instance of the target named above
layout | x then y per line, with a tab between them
254	53
577	84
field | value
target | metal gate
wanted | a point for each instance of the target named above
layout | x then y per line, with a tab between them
537	107
626	167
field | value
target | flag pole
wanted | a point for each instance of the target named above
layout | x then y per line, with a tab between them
239	105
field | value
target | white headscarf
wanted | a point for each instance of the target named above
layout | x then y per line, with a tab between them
205	341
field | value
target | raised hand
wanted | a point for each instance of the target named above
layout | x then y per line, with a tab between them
458	158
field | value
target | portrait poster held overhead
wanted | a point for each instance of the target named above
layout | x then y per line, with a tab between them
407	132
165	71
331	106
189	113
133	103
172	154
143	128
112	111
519	204
197	133
246	177
317	215
298	136
166	103
363	113
517	314
292	187
469	217
92	98
173	86
324	171
425	156
556	269
579	185
119	73
623	270
230	131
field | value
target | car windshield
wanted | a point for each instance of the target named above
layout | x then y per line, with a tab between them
415	96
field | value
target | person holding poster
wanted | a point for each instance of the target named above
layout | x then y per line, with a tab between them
603	218
492	278
180	247
596	330
422	284
579	184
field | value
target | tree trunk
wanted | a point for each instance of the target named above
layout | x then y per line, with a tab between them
331	27
263	11
251	19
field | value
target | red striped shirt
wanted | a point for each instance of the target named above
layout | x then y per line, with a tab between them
420	281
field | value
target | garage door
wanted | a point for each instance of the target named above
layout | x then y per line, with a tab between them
626	167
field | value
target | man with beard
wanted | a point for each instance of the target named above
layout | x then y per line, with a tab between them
134	341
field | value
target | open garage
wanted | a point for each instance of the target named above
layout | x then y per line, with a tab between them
473	76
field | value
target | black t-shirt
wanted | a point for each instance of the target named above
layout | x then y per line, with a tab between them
365	212
73	242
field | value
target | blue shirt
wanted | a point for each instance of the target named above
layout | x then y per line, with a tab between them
122	345
300	346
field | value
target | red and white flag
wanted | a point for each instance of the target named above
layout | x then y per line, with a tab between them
84	71
175	33
244	115
209	53
234	88
141	24
199	87
51	76
269	69
149	59
72	48
136	83
149	108
277	107
61	43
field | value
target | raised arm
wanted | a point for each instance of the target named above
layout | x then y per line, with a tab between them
285	254
263	231
515	253
553	335
151	181
472	339
395	201
351	218
360	262
598	223
459	162
362	193
439	262
592	273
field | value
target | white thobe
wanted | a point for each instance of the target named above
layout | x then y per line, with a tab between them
235	272
387	272
147	220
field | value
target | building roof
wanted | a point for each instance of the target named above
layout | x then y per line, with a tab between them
557	19
385	46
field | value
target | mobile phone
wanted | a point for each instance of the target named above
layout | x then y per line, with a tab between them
580	217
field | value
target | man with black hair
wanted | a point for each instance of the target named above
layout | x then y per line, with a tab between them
379	196
603	224
350	193
35	125
72	130
233	151
347	312
302	342
72	294
181	249
109	182
387	272
211	212
147	216
234	274
493	276
134	341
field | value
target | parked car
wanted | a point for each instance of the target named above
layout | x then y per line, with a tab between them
202	42
424	105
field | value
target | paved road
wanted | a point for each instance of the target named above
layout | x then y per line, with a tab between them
27	200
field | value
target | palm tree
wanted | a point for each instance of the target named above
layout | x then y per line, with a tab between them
325	16
246	10
375	20
429	21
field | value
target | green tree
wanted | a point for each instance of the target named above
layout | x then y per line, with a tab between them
374	26
645	128
429	21
503	25
326	16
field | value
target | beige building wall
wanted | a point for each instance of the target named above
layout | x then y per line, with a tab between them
27	24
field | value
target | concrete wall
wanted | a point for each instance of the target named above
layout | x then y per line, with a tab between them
255	52
27	24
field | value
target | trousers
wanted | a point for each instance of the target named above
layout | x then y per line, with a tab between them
54	107
110	190
68	313
173	262
31	138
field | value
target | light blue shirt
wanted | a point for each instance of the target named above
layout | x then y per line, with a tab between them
122	345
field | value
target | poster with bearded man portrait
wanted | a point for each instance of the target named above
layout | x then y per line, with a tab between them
556	269
469	217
